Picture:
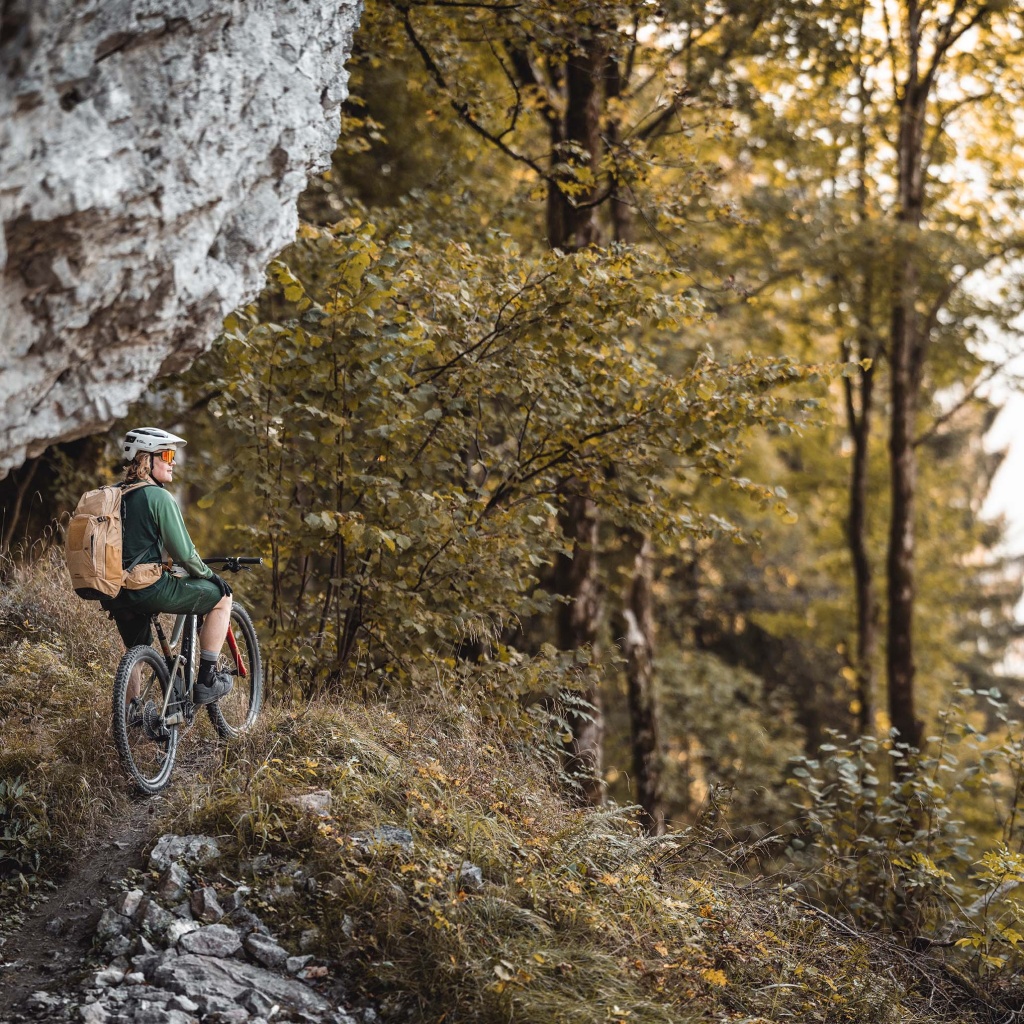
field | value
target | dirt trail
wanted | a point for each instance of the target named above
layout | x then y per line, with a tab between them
50	945
52	941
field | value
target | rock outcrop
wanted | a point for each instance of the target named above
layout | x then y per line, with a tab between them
151	152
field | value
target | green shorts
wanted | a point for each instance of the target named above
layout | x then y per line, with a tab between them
132	609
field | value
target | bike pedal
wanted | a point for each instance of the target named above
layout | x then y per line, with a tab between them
175	719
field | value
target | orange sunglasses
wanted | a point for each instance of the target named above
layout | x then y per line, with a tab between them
167	455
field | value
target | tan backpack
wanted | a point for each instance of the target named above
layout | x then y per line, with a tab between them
93	546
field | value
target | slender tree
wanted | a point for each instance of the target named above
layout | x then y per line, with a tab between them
875	150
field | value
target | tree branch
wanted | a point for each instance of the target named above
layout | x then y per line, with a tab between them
462	108
949	36
971	394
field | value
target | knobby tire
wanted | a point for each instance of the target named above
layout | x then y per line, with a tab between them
146	747
236	713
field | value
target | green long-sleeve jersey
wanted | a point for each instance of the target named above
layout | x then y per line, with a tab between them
153	529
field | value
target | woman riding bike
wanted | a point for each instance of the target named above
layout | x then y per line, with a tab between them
153	531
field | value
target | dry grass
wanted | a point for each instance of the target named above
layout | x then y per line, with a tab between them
580	918
57	659
61	784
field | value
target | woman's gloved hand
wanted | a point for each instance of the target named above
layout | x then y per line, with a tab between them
221	584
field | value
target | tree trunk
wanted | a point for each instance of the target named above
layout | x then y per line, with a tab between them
623	215
863	580
638	613
572	224
903	477
572	218
638	646
579	620
12	517
858	415
905	356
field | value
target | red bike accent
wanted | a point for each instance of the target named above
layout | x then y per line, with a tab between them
233	644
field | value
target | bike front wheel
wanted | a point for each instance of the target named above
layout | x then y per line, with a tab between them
145	744
236	713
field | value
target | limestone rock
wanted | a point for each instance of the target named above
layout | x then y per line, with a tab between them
43	1000
151	152
201	976
57	926
174	882
383	837
128	904
111	924
213	940
192	850
153	918
265	950
177	929
205	906
468	877
317	803
107	978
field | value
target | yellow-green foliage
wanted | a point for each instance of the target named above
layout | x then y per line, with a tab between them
925	844
58	770
407	412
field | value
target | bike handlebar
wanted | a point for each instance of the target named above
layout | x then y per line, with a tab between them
234	563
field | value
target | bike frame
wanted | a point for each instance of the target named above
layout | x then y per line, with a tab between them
180	665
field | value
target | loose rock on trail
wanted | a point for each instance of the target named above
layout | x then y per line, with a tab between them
114	946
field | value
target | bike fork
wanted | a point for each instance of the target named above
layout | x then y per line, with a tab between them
236	654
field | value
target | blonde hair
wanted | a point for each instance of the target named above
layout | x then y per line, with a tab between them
137	469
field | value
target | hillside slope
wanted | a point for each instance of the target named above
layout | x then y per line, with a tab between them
426	858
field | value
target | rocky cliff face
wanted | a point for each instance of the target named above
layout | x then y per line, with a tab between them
151	152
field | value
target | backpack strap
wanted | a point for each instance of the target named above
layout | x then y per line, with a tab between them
134	487
127	490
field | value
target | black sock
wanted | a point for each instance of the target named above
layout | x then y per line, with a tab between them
207	663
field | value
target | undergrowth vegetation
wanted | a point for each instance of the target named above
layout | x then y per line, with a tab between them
923	845
575	914
427	853
59	778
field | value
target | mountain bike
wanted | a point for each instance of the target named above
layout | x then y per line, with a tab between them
153	694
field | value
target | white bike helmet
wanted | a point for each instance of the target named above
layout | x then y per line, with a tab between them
148	439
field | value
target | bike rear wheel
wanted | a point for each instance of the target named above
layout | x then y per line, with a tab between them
237	712
146	746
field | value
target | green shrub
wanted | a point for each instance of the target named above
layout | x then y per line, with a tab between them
922	845
24	829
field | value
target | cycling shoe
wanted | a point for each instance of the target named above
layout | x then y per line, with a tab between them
218	685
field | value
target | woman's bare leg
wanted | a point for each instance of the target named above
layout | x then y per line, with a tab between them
215	626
